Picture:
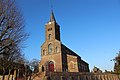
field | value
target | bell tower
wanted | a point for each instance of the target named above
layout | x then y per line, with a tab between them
56	57
52	29
51	54
52	44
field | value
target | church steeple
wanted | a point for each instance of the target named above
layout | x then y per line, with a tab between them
52	17
52	29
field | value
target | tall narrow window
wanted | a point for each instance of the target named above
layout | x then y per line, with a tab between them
49	36
44	52
57	49
49	48
42	68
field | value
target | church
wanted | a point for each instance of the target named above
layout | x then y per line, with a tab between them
55	56
58	62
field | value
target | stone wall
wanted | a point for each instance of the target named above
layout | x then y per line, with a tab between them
81	76
6	77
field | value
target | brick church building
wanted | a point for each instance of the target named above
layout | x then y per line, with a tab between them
58	62
55	56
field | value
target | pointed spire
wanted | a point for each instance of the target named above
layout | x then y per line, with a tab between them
52	17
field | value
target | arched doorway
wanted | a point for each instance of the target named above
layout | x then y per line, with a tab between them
51	66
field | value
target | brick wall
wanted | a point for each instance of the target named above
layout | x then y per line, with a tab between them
82	76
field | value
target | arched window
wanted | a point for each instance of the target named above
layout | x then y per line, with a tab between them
49	48
49	36
57	49
44	52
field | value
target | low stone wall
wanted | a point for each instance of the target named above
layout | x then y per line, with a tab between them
81	76
6	77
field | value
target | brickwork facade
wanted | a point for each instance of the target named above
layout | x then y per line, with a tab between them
78	76
56	57
58	62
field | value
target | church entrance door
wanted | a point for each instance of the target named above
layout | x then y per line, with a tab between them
51	66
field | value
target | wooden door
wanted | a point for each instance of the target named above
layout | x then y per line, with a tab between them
51	67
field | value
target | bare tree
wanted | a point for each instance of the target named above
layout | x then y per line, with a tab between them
12	34
31	69
11	26
34	66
